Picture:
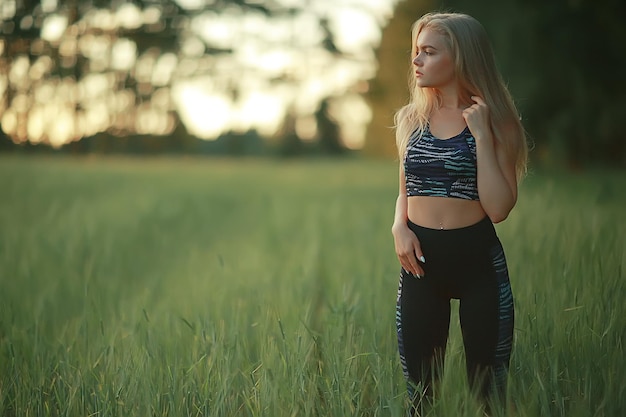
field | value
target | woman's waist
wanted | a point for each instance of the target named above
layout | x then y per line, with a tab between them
463	238
444	213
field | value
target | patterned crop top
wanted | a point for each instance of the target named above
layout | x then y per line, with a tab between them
441	167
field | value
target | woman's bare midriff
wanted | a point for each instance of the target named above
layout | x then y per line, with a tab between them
444	212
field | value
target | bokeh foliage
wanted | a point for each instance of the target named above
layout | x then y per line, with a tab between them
115	68
562	59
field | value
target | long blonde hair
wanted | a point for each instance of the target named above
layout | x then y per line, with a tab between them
476	74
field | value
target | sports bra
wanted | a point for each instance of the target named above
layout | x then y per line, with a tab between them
441	167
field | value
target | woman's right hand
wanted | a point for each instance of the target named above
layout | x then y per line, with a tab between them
408	249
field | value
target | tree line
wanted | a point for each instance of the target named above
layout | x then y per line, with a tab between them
563	61
63	68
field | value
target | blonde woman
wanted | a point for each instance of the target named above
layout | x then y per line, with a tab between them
462	150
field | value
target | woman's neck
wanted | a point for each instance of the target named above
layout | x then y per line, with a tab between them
449	98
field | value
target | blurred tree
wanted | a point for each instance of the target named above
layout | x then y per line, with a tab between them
291	144
575	112
563	61
389	89
93	30
25	38
329	135
566	77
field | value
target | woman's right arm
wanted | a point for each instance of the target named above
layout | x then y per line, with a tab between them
406	243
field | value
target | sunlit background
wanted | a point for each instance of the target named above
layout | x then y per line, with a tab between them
245	76
143	68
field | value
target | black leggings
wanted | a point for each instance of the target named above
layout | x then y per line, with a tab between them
466	264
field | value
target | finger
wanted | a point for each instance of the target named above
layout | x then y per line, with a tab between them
409	270
417	250
406	264
415	269
419	272
403	262
419	258
470	110
411	265
478	100
414	265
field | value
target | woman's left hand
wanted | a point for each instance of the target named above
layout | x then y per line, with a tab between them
477	119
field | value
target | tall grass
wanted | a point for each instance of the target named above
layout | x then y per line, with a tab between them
189	287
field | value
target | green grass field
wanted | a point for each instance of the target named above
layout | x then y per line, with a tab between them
206	287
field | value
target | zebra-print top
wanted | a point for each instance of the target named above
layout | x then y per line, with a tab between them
441	167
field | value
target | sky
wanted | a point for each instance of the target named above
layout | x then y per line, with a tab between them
277	67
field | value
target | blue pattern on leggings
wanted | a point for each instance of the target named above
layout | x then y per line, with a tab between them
505	318
405	369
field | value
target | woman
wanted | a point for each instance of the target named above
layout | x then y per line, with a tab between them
462	150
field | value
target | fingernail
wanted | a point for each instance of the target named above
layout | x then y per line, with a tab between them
418	276
423	259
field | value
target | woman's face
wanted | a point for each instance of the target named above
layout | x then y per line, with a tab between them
433	63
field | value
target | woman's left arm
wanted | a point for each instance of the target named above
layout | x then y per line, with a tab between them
496	179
